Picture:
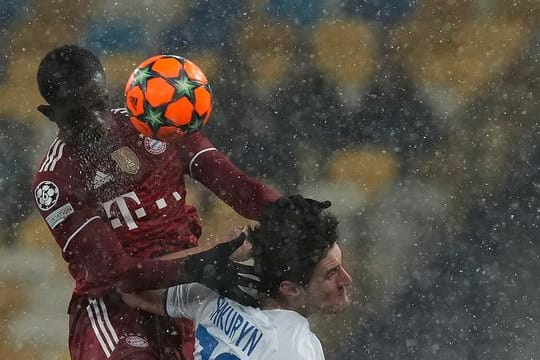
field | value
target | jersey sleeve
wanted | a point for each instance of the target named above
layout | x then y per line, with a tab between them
205	163
187	300
94	253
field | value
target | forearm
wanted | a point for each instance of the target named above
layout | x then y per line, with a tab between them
186	252
96	252
139	274
149	301
203	162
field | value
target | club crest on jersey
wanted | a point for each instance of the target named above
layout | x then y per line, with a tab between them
46	194
154	146
126	159
136	341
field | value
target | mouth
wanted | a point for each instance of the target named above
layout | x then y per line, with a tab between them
342	294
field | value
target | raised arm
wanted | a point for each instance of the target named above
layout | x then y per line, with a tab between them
204	162
93	250
97	259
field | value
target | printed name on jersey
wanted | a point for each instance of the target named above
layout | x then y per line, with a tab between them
154	146
239	330
59	215
126	159
53	155
46	194
100	179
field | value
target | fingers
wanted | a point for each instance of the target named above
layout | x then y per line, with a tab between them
300	202
243	252
326	204
247	282
306	203
322	204
241	297
242	268
229	247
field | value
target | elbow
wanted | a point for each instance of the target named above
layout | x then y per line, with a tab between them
125	285
126	275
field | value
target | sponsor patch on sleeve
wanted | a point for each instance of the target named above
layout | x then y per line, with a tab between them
59	215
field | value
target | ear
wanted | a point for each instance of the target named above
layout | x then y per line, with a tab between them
289	289
47	110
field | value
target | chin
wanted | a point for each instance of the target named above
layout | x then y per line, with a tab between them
336	308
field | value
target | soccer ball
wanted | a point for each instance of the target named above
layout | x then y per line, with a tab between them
168	96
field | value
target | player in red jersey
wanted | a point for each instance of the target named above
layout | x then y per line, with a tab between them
114	201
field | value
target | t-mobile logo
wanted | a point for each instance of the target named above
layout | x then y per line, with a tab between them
121	210
122	207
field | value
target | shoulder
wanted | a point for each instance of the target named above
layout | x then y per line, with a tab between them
57	164
120	116
187	299
295	336
195	291
53	157
57	177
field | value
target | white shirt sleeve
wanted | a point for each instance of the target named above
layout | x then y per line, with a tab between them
187	300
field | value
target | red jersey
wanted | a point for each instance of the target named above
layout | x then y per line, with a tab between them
109	212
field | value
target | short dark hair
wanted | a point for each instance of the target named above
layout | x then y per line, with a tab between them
63	70
289	242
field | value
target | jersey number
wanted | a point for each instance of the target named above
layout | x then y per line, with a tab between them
208	344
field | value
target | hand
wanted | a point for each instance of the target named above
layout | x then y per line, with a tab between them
307	203
243	252
214	269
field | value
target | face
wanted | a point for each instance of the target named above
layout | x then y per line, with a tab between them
87	119
327	290
94	93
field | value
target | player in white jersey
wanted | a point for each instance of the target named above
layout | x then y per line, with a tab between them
300	267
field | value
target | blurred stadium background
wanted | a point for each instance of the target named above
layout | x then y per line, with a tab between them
417	118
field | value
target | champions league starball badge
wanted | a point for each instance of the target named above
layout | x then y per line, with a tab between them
46	194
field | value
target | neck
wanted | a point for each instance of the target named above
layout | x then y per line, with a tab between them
82	129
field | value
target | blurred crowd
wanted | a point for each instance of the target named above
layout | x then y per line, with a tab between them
416	118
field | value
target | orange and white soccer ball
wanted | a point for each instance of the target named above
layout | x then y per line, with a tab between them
168	96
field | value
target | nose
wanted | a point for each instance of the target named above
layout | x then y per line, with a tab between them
345	278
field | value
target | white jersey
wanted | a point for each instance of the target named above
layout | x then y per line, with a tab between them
226	330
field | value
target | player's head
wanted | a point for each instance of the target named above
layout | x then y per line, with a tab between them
298	259
72	80
71	76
